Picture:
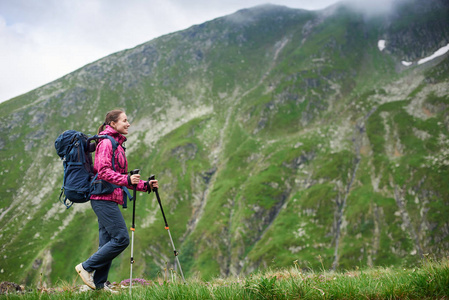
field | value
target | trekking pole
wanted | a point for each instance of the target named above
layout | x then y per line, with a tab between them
152	177
133	228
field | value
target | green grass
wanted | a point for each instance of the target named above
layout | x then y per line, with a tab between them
428	281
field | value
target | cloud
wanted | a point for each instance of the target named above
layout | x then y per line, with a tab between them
18	49
378	7
44	40
38	48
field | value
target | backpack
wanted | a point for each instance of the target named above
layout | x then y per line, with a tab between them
80	181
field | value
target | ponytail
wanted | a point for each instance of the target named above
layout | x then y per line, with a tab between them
101	128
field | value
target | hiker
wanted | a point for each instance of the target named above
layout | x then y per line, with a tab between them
113	232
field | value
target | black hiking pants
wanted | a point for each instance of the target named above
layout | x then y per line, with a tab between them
114	238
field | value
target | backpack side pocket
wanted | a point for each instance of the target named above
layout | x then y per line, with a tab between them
101	187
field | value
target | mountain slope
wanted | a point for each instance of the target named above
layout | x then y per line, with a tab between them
277	135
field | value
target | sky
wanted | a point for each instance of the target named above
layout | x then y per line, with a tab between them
43	40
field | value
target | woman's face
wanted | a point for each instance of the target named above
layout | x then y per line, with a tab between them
122	125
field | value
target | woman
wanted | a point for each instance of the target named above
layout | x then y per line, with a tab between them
114	236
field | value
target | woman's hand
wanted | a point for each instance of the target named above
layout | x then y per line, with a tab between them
153	184
135	179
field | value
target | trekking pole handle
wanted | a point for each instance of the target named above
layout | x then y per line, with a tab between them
133	172
152	177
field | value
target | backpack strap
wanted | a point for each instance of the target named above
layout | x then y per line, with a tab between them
114	147
126	193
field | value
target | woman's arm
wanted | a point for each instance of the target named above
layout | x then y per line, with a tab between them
103	163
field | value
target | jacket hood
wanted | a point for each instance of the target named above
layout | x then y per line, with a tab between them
108	130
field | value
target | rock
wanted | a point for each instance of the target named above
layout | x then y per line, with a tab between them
7	287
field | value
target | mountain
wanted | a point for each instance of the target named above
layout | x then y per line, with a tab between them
278	135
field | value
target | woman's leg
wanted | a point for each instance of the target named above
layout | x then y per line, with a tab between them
101	274
114	235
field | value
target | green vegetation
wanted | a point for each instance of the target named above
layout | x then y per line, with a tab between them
428	281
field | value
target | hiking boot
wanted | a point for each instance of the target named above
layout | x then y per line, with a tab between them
87	277
108	287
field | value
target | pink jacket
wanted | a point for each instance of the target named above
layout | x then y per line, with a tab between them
103	166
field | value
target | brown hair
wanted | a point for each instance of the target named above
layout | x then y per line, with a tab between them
111	116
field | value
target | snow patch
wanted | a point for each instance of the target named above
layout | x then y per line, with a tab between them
381	45
439	52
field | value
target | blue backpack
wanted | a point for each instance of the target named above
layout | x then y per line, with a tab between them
80	182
